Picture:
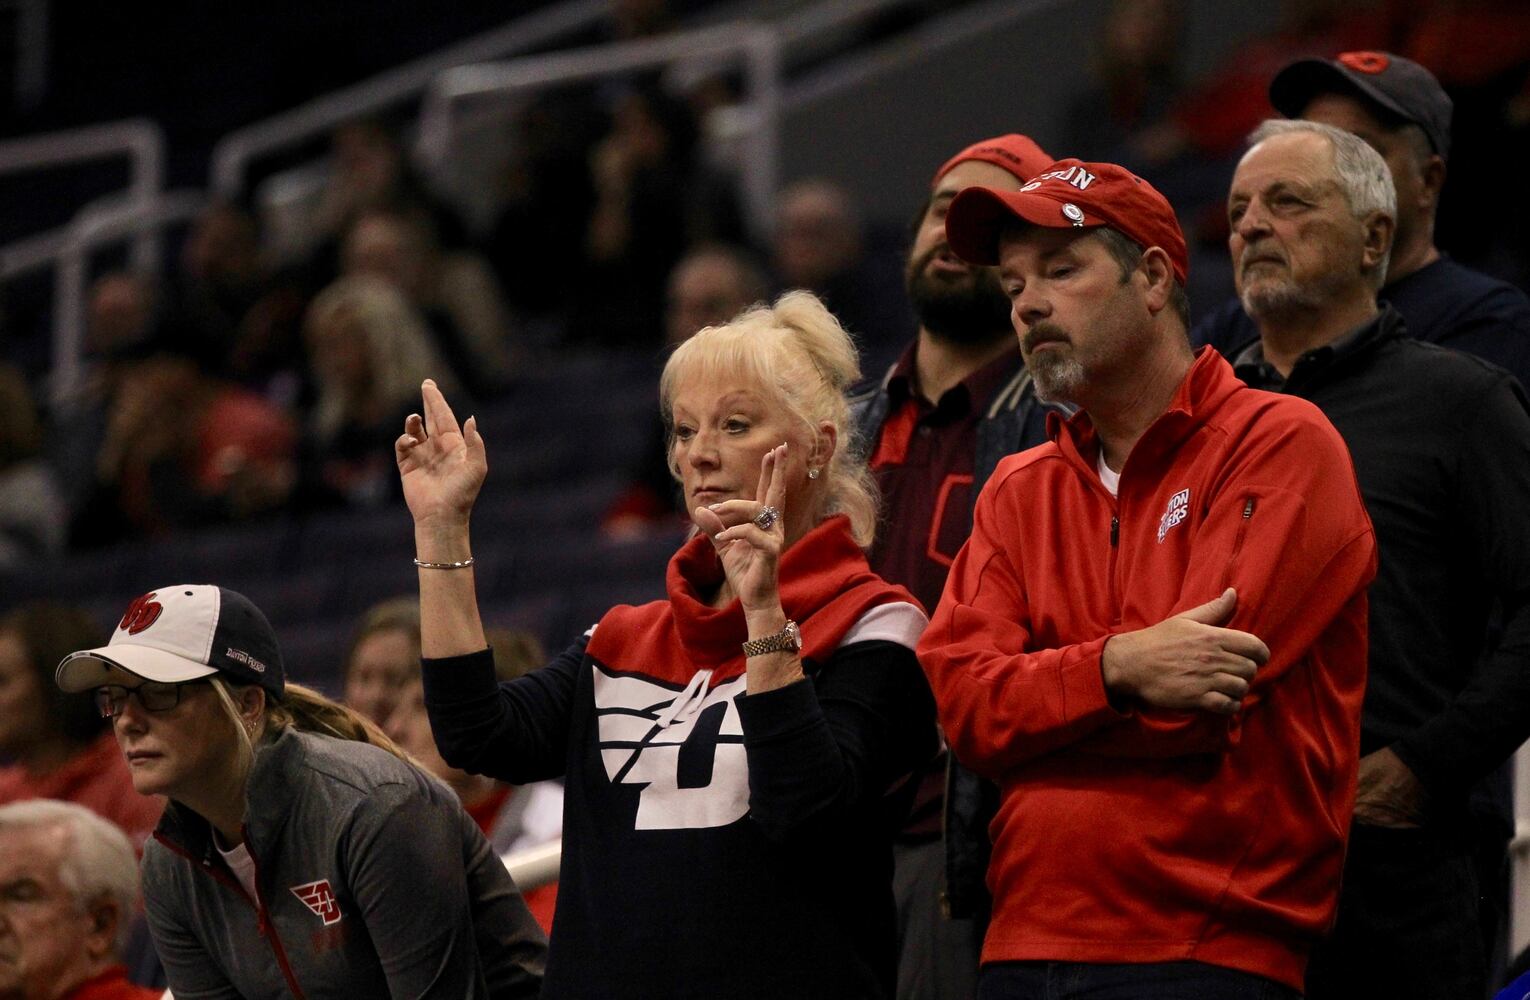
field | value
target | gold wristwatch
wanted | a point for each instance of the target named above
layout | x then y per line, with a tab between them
789	638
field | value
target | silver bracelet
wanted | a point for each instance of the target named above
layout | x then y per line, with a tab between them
464	564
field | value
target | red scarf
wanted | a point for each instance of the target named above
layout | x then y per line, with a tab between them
825	583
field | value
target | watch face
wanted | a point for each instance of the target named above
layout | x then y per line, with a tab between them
794	635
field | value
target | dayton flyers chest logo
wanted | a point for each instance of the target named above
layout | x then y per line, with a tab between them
1177	511
685	747
319	898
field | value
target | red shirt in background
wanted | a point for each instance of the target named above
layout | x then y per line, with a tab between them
112	985
923	462
96	778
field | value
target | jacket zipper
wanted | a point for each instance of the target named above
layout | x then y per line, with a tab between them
268	929
1237	549
261	922
1115	539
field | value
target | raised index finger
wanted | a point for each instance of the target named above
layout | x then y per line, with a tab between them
439	418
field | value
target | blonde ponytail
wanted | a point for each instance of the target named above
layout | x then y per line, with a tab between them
308	711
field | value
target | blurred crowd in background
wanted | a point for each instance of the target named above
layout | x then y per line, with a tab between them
259	376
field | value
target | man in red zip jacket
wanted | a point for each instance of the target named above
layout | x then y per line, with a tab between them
1155	639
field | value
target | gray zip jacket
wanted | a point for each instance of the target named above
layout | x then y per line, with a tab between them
371	881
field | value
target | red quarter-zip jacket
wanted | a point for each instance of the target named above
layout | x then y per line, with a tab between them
1140	834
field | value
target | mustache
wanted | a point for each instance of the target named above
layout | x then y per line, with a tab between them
1041	333
1257	251
918	265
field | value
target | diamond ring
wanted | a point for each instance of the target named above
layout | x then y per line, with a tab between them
766	518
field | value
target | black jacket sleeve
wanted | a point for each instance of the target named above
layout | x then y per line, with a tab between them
830	746
517	731
1491	715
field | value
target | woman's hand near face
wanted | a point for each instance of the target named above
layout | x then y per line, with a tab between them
750	554
441	465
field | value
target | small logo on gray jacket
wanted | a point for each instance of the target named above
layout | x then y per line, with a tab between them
319	898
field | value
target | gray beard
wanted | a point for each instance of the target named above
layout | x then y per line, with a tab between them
1057	380
1278	300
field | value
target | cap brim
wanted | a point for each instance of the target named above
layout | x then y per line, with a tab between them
1294	87
978	215
91	668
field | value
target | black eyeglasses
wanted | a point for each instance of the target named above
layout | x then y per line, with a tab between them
154	696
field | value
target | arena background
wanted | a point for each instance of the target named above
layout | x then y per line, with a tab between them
124	122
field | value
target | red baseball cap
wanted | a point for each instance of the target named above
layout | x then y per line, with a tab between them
1068	193
1014	152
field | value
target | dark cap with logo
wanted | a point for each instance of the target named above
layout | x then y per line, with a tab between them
1068	194
179	634
1400	87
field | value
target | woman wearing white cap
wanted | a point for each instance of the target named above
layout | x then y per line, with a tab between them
726	752
294	859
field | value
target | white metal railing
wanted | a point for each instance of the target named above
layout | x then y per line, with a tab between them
138	139
91	229
233	154
535	866
756	45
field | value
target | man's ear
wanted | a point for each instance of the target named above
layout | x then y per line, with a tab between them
101	935
1158	271
1432	172
1379	230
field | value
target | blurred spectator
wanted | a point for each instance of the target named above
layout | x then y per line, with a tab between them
181	448
384	658
370	169
453	290
654	198
68	892
819	246
514	818
708	287
230	312
1137	66
1480	51
58	744
538	237
1213	117
33	518
121	317
368	351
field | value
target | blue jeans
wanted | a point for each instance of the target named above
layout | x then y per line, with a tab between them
1144	981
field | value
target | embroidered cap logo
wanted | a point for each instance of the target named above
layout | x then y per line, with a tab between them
143	612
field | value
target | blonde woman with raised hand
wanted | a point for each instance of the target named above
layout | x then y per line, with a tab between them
301	855
726	752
